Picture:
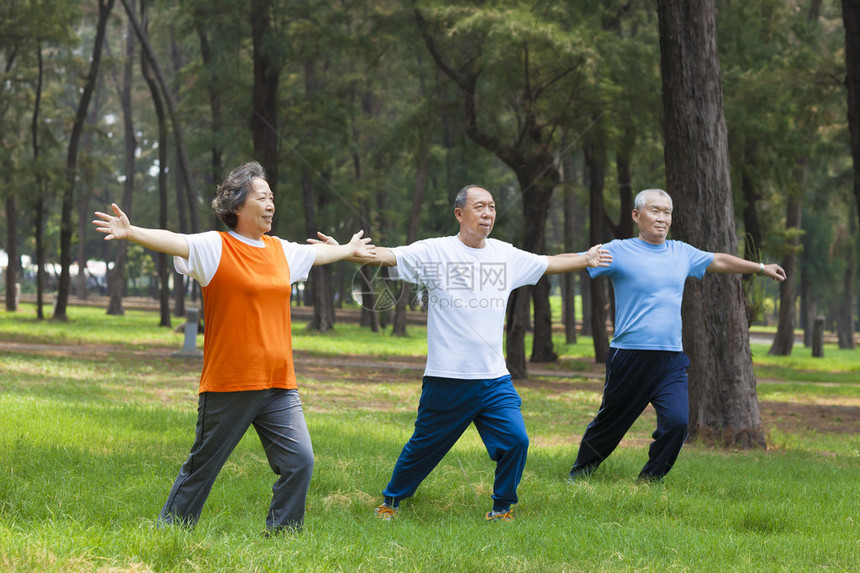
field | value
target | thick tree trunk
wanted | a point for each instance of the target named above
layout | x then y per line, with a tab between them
160	258
12	223
595	159
214	91
752	227
535	210
267	73
421	176
808	305
783	341
40	216
845	316
180	281
320	283
851	21
116	285
85	194
178	133
80	280
624	172
39	189
12	252
586	284
723	401
320	278
571	231
105	7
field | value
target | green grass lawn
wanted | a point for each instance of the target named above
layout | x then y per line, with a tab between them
93	433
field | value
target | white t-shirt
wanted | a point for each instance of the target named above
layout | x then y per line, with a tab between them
468	293
204	256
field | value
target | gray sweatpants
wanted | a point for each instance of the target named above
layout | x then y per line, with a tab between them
222	420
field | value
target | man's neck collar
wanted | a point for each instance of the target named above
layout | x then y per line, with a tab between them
462	239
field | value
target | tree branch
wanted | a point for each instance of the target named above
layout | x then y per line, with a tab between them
467	84
171	111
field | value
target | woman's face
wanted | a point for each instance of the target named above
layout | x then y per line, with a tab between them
255	214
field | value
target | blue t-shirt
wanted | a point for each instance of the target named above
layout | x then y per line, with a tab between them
649	287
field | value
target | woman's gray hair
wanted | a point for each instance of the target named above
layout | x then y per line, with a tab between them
463	196
639	202
233	192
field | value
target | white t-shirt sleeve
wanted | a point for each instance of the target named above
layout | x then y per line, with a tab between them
411	262
204	256
528	268
300	258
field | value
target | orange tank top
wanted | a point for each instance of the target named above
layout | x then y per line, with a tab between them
248	344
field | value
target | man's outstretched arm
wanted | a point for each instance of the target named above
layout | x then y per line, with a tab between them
569	262
725	263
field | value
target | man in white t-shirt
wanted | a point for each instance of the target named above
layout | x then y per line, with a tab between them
468	278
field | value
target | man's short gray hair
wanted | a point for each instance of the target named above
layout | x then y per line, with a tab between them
639	202
463	196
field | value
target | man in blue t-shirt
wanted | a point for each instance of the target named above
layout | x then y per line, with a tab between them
646	361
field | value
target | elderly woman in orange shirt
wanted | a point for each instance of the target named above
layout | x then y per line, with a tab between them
248	376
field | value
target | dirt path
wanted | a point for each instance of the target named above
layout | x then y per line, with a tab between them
839	415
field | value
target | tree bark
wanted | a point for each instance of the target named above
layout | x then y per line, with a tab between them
851	21
267	74
535	210
180	281
105	7
595	159
14	263
320	282
85	193
571	232
624	172
161	259
178	133
40	215
320	278
39	189
586	284
845	315
752	227
783	341
215	108
421	175
116	282
723	402
12	252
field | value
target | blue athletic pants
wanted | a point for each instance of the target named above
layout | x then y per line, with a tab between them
446	408
635	378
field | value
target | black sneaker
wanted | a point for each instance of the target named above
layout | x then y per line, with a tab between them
576	474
